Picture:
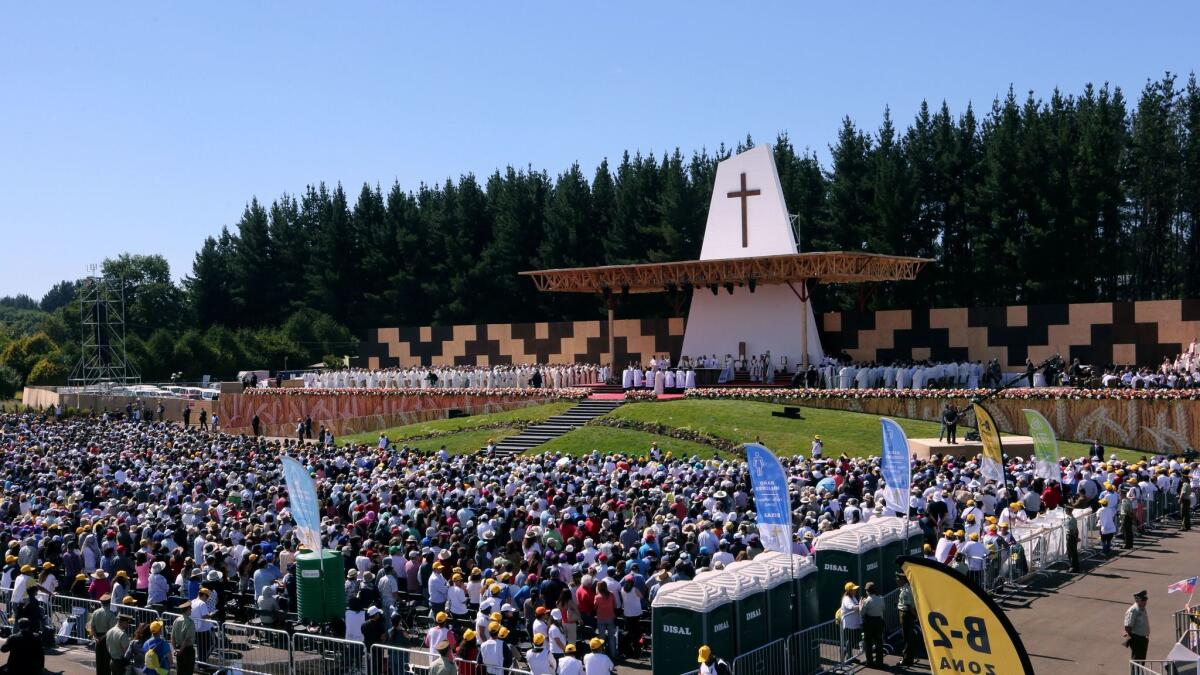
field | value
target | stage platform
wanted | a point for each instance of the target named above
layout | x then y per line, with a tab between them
924	448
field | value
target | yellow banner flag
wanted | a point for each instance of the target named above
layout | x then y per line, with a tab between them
993	457
965	631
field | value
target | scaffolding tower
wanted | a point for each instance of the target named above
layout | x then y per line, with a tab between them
102	359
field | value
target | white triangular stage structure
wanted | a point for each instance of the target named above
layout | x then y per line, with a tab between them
747	217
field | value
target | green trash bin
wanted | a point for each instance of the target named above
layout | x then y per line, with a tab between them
778	583
750	607
684	616
848	554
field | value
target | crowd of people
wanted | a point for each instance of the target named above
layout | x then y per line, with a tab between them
554	376
474	558
1182	372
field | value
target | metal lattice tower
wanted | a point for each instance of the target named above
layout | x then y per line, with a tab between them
102	327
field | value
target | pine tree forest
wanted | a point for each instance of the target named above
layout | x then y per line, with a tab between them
1071	198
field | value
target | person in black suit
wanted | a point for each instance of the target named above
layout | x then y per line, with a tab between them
950	423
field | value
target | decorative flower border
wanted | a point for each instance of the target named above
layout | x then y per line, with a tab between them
640	395
509	392
1024	394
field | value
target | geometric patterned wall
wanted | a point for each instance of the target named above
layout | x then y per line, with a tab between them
1100	333
505	343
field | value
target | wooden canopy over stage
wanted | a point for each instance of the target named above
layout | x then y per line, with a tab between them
826	268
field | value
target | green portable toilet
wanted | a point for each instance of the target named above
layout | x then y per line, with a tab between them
750	607
848	554
893	544
684	616
805	609
320	586
778	583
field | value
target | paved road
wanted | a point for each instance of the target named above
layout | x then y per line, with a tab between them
1072	623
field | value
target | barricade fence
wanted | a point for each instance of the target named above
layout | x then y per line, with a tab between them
772	657
69	615
1151	668
255	650
321	655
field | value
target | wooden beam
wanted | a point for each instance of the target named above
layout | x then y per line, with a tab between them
826	268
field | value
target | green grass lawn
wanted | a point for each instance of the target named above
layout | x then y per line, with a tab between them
629	441
532	414
465	442
855	434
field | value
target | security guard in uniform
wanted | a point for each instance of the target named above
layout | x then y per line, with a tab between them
1137	627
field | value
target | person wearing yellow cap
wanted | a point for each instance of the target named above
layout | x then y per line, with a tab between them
120	587
492	650
468	650
158	652
568	664
975	555
710	664
539	658
456	599
24	583
947	546
11	570
597	662
1106	518
850	618
439	631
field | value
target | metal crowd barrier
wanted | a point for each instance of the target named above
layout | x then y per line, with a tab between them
394	660
1151	668
70	616
255	650
769	658
6	626
321	655
817	649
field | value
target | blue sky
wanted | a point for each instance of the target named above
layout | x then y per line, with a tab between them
145	127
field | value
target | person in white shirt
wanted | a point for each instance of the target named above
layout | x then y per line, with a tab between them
456	598
568	664
851	620
440	631
597	662
539	658
491	652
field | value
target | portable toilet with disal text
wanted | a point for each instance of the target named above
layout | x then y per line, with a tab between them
749	607
778	583
893	544
684	616
847	554
804	586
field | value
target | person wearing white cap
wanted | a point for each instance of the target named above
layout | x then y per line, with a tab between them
157	587
556	636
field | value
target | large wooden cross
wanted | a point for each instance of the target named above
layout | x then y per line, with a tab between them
743	194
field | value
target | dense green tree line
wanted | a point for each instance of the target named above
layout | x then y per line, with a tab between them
1075	198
